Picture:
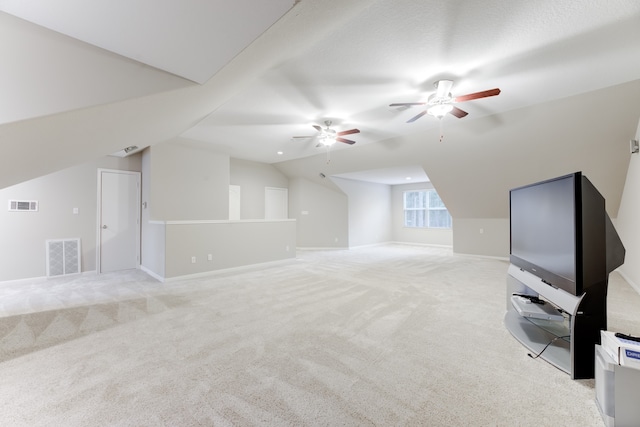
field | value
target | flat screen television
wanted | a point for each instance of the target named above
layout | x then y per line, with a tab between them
561	233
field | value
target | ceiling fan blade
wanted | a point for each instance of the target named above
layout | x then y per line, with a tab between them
406	104
413	119
483	94
318	128
458	112
348	132
346	141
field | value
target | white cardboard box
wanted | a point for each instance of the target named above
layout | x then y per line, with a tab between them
623	352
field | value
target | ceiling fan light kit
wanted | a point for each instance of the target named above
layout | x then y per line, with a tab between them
441	102
439	110
328	136
438	105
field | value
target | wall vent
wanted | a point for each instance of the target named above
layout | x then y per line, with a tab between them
63	257
23	205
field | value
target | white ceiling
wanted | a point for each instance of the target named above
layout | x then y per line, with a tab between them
393	51
244	78
193	39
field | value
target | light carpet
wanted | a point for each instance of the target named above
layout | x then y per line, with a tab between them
392	335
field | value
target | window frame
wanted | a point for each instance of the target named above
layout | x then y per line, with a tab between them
427	209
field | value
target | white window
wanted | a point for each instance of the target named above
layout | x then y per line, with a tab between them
425	209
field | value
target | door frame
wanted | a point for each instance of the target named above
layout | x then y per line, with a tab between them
272	190
99	215
231	207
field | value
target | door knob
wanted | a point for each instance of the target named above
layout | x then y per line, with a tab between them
104	227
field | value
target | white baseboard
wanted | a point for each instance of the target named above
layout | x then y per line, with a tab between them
333	248
432	245
152	274
241	268
370	245
28	280
45	278
499	258
628	280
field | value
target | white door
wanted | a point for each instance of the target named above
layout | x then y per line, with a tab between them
234	202
276	203
118	220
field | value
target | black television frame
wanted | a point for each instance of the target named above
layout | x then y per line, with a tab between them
598	251
589	246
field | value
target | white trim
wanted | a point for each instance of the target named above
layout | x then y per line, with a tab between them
435	245
152	274
241	268
99	214
628	280
28	280
273	190
217	221
370	245
498	258
317	248
40	279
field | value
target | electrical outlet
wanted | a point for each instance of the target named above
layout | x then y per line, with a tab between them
482	231
210	257
193	260
287	248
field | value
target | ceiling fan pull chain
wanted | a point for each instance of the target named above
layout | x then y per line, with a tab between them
441	130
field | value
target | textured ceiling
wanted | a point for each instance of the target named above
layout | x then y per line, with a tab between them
193	39
393	51
114	74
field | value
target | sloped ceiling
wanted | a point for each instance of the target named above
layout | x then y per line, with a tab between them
568	72
192	39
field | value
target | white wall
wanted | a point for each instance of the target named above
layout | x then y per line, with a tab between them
187	194
482	236
321	214
23	234
369	207
187	183
231	244
253	177
403	234
628	221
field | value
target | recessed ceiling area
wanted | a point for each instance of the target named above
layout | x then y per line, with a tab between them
389	176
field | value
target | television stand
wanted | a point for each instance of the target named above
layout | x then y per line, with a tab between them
566	343
545	311
536	334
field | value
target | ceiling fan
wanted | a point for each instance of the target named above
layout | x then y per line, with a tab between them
327	136
441	102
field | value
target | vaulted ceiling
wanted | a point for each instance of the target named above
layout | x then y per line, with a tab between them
85	79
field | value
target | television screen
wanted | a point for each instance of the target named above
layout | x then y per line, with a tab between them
545	224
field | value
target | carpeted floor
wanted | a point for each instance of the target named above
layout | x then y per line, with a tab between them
382	336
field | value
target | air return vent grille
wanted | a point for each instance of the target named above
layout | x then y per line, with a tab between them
23	205
63	257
